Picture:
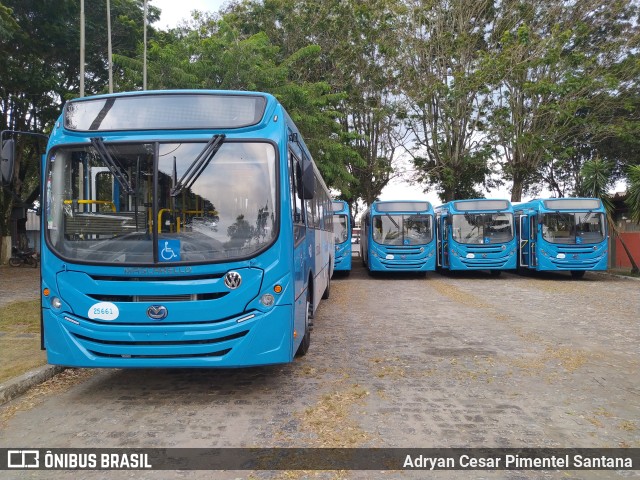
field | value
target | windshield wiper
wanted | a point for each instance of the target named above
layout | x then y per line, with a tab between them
395	224
114	168
199	164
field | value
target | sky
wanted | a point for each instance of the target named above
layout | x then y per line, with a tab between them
174	11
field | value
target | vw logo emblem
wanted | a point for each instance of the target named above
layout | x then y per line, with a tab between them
232	280
157	312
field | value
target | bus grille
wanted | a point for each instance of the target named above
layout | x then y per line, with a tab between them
159	298
158	349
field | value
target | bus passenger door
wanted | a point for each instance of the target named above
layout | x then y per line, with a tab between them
533	236
444	239
524	240
438	241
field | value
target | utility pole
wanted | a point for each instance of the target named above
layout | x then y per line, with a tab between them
109	52
144	67
82	48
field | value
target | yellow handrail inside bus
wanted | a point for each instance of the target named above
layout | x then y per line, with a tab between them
180	220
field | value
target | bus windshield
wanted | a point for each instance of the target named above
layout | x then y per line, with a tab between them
402	229
149	203
340	228
573	228
482	228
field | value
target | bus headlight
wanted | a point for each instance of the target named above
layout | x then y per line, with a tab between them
267	300
56	303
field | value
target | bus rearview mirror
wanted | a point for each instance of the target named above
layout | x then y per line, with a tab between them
7	161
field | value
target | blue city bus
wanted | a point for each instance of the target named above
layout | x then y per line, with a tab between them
181	229
342	236
398	236
562	234
477	234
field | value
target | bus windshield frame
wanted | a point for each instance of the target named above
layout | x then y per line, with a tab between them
128	211
340	228
573	228
482	228
402	229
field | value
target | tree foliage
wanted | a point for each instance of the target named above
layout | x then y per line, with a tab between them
445	93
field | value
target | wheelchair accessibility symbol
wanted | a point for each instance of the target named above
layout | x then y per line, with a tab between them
169	250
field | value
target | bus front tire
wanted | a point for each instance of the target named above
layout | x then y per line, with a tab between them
306	340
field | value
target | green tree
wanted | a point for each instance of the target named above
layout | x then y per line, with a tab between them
442	78
633	193
596	183
565	77
39	45
355	41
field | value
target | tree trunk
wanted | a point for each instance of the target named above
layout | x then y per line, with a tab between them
516	190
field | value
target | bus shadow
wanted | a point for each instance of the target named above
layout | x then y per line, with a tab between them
190	386
557	276
481	274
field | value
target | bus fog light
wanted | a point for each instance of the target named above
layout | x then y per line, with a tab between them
56	303
267	300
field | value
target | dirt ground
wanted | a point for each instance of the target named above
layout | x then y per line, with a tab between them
18	283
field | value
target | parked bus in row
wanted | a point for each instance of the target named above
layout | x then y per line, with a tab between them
477	234
562	234
398	236
181	229
342	236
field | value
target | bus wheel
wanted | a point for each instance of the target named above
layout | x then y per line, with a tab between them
306	340
577	273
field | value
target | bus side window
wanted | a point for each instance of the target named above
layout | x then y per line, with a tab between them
297	203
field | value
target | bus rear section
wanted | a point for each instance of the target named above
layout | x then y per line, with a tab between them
562	234
342	236
168	237
476	234
398	236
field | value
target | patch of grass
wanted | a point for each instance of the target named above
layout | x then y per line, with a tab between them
20	317
20	339
627	426
38	394
330	419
